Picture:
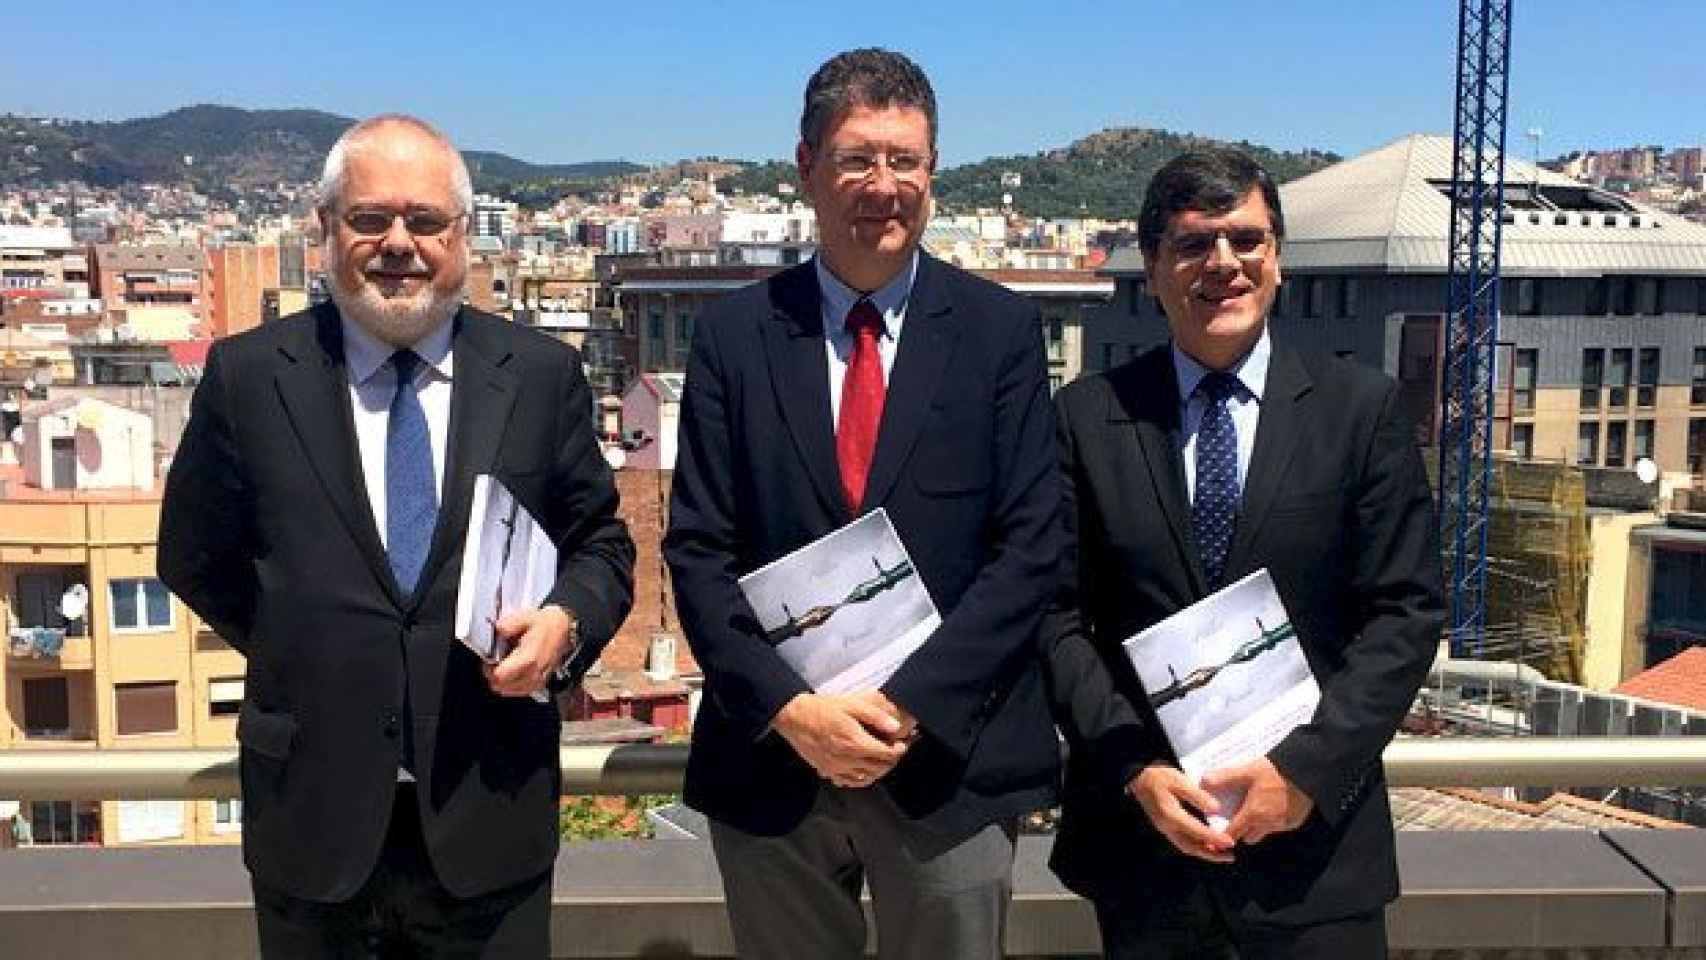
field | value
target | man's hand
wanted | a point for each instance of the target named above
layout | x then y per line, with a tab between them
908	723
1271	804
1164	792
848	740
538	641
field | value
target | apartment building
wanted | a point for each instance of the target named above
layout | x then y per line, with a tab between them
99	655
162	291
239	277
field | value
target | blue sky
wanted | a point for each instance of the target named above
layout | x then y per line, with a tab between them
662	80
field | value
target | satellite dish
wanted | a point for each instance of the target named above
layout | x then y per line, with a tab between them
75	602
1646	470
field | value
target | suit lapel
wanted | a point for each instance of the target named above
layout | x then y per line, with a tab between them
1276	433
1146	400
799	371
482	395
931	332
314	387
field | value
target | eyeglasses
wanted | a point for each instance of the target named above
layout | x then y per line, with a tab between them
1249	244
859	164
419	221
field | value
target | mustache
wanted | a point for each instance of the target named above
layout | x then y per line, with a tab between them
381	263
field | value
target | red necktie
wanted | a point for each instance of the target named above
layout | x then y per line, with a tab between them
861	403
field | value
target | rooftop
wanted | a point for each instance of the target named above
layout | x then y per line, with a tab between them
1681	680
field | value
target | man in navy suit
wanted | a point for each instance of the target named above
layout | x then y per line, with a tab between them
871	376
1222	452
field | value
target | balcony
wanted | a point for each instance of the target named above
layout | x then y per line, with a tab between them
1581	893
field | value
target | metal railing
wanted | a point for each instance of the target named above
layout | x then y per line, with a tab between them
211	772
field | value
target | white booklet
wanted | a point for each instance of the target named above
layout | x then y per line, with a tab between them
508	564
846	609
1227	679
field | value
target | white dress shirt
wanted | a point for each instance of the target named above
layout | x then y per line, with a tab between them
373	383
1244	405
838	299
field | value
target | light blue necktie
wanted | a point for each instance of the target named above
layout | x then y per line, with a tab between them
411	494
1214	511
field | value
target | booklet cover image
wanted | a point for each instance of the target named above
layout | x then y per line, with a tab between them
845	610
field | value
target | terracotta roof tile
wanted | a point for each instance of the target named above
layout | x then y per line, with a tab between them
1681	681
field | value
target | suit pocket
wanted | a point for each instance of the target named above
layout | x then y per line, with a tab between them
265	732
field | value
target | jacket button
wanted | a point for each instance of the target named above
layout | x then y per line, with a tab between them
391	724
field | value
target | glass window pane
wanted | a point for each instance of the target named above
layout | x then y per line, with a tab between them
159	603
124	603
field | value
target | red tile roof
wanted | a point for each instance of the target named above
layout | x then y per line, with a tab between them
1681	680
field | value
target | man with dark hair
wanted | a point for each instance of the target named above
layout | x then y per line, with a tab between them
399	795
1189	467
872	376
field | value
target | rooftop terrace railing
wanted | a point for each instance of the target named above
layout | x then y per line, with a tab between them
1574	893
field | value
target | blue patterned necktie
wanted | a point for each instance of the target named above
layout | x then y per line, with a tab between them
411	494
1214	511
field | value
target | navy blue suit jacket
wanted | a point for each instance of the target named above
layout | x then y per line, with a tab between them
964	466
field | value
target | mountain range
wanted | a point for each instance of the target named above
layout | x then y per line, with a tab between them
227	151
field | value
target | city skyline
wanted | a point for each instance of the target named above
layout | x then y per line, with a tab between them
550	85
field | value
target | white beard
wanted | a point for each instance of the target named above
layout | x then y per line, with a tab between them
398	321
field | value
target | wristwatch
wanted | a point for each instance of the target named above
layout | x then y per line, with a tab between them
562	671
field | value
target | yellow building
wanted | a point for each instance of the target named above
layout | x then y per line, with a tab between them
99	656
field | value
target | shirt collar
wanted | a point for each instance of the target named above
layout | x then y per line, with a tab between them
1251	372
889	299
365	354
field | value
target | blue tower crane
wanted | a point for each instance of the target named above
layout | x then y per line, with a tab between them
1472	318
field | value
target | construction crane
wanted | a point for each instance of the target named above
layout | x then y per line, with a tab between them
1472	317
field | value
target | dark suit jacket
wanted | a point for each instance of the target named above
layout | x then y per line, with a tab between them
1336	506
267	534
965	467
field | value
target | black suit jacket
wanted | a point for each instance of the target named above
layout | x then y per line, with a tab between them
267	534
1337	507
965	467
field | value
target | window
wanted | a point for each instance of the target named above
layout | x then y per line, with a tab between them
1696	445
1593	376
1697	386
1623	296
225	697
1522	440
1618	396
1646	393
1616	438
1649	296
1700	297
1314	296
654	324
683	329
47	707
1056	338
146	707
64	822
140	604
1643	440
1522	387
1587	444
38	595
227	816
142	820
1599	297
1348	296
1528	296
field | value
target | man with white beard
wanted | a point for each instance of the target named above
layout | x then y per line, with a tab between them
399	794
